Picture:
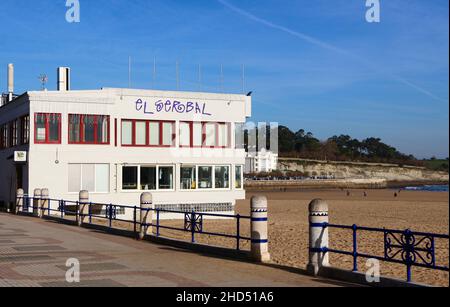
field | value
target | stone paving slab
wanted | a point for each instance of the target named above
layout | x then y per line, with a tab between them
39	259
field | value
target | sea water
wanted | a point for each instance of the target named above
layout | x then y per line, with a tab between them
429	188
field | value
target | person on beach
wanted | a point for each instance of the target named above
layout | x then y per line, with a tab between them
365	194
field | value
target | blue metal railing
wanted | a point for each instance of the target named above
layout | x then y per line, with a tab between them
193	221
412	249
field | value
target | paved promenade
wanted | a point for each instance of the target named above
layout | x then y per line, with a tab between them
34	252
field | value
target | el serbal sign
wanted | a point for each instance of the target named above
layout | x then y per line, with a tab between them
171	106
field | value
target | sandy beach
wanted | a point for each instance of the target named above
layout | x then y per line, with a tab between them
288	226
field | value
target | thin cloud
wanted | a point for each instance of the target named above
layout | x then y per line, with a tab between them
327	46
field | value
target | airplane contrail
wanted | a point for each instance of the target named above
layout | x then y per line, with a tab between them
327	46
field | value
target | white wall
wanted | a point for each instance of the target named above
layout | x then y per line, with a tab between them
121	104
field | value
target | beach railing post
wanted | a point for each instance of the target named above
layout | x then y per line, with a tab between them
19	201
146	215
318	236
45	203
83	208
36	202
259	229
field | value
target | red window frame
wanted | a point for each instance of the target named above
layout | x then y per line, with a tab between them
217	124
147	134
95	142
47	130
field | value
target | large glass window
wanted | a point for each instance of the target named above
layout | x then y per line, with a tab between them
130	178
205	177
90	177
47	128
238	177
88	129
165	178
188	178
148	178
222	177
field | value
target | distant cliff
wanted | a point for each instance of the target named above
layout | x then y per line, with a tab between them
353	170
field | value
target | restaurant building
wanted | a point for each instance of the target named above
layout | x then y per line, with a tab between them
184	147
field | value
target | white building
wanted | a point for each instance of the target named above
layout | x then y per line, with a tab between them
118	143
263	161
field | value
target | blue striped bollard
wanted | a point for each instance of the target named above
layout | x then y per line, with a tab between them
83	208
36	202
44	202
146	215
259	229
318	236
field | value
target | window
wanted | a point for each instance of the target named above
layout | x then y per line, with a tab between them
127	133
141	133
90	177
148	178
239	135
198	134
210	134
165	178
238	177
205	174
47	128
130	178
4	136
154	134
88	129
25	130
222	177
15	133
185	134
188	178
148	133
213	135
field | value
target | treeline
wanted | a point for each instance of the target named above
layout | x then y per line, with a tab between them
305	145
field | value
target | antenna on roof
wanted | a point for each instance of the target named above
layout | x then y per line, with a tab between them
43	79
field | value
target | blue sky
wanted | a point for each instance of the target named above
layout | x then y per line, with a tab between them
312	64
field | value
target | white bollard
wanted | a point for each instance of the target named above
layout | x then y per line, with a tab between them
318	236
83	208
45	202
146	216
259	229
37	202
19	201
